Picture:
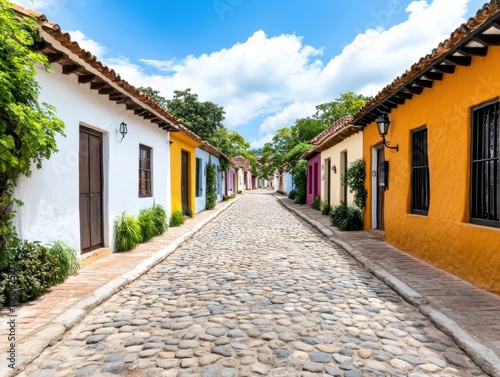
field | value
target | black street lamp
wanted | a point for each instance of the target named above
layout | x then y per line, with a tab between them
383	123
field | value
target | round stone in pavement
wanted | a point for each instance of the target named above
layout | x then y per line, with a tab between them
284	372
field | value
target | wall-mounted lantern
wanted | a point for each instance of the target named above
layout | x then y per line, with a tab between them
383	127
334	168
123	130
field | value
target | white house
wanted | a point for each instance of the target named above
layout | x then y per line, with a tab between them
98	173
208	154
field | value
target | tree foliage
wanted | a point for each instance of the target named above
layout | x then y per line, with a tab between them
203	118
211	182
347	104
28	129
154	94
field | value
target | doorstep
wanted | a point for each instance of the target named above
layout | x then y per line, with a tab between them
94	256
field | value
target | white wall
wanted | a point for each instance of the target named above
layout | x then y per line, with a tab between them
51	195
289	183
201	201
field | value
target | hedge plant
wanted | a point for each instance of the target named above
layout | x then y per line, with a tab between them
316	203
177	218
211	181
355	180
347	218
33	268
128	232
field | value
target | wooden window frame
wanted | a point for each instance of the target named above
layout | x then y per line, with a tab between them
417	168
477	180
145	171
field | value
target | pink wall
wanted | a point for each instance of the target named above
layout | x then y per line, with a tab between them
313	178
249	180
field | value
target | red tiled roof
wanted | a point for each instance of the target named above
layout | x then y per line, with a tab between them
456	50
338	131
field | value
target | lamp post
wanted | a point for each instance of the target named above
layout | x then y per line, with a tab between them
383	123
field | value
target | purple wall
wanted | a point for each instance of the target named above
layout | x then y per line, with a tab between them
249	180
313	178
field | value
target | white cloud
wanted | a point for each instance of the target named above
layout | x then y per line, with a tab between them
280	79
267	138
88	44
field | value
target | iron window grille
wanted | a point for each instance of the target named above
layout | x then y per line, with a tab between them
485	167
420	175
145	171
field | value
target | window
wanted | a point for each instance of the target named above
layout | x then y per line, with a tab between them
420	177
199	189
310	179
144	171
485	194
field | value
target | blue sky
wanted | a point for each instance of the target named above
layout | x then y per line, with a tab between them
267	62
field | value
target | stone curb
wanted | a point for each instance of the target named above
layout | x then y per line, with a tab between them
30	349
483	356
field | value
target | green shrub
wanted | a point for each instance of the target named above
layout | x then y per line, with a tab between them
355	180
291	194
347	218
316	203
33	268
147	223
128	233
159	218
299	173
326	208
177	218
211	181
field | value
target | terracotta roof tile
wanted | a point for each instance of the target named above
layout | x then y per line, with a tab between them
338	131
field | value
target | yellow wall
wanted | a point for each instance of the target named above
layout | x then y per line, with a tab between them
354	147
179	143
444	238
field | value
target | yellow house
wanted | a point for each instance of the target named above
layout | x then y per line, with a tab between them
182	169
437	196
339	145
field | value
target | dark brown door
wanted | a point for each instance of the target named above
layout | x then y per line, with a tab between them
185	181
344	156
90	166
328	180
380	192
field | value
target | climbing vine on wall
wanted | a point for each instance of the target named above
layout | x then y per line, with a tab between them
355	180
211	177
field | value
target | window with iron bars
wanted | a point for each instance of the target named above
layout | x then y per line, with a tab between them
420	176
485	167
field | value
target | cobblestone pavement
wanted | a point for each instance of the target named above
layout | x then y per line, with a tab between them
256	292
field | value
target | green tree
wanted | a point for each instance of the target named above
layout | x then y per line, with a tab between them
203	118
28	129
228	141
347	104
211	182
154	94
305	129
300	178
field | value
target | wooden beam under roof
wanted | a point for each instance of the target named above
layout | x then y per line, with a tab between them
490	39
434	75
415	89
70	68
459	60
446	68
424	83
474	51
54	57
106	90
94	85
83	79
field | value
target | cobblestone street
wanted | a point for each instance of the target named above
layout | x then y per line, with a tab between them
256	292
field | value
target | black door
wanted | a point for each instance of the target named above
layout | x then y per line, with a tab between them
380	192
328	180
90	171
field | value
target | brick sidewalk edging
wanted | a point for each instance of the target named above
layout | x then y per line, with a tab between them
483	356
41	338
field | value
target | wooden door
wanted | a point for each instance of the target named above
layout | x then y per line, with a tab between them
328	177
185	181
380	192
90	171
345	163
